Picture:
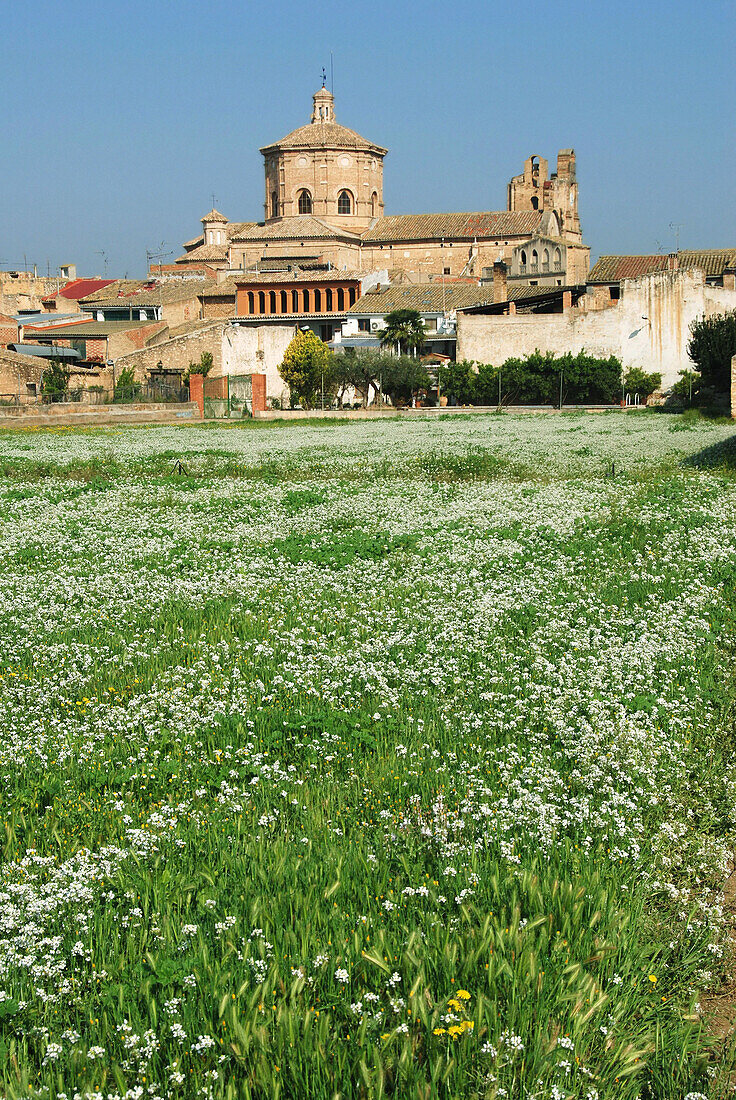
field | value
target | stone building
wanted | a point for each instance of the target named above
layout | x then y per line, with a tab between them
324	204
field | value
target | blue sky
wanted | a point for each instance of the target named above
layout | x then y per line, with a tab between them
122	121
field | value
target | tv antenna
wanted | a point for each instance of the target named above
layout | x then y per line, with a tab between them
677	226
154	256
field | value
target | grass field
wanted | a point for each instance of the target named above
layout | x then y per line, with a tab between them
367	760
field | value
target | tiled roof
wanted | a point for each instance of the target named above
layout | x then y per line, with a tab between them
79	288
610	269
225	289
426	298
324	135
192	326
427	227
712	261
204	252
214	216
234	228
300	227
87	329
195	242
281	277
143	294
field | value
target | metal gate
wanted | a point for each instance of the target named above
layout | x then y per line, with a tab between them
230	396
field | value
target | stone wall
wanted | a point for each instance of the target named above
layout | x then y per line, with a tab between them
20	379
8	330
647	328
218	308
177	353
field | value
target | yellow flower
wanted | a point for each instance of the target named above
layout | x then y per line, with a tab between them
454	1004
439	1031
456	1031
468	1025
463	994
653	979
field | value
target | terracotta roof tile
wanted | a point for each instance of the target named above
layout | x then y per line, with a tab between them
214	216
712	261
424	297
325	135
426	227
300	227
267	278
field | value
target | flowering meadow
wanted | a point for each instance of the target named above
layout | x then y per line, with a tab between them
367	760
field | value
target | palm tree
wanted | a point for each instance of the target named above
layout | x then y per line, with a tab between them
404	329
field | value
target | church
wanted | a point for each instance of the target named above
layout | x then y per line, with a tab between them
323	210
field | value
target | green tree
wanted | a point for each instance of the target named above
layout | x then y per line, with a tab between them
458	381
404	377
637	381
203	367
711	347
404	329
126	387
359	369
306	366
686	390
55	380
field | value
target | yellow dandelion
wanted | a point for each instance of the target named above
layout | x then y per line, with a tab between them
653	979
463	994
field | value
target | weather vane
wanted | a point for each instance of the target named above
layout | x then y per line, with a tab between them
324	76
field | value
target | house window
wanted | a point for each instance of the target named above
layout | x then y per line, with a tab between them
305	202
364	324
261	301
545	260
305	301
535	202
325	333
328	301
345	203
317	300
352	296
445	271
558	260
340	298
295	301
522	262
284	306
251	302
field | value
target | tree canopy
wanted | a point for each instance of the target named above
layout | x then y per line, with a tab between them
404	329
306	366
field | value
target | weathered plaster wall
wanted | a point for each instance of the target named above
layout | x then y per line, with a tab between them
648	328
256	349
176	354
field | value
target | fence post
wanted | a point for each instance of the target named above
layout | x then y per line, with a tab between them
196	391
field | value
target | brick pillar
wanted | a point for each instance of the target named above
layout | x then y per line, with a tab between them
196	391
258	398
566	300
733	387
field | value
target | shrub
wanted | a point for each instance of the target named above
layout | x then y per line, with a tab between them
638	382
126	387
711	347
55	380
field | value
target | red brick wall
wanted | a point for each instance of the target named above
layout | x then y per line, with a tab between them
8	331
259	392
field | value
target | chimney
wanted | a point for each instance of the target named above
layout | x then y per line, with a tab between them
500	291
673	261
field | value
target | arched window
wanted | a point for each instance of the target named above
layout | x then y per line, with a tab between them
535	261
374	204
558	260
340	298
274	204
344	203
522	259
284	304
295	301
261	302
351	295
251	302
535	202
545	260
272	301
317	299
305	301
328	300
305	202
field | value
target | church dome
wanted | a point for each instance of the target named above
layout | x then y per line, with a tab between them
323	132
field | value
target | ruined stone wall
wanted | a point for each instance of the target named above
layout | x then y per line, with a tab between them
648	328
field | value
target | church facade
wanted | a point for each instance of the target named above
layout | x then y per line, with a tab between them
324	207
